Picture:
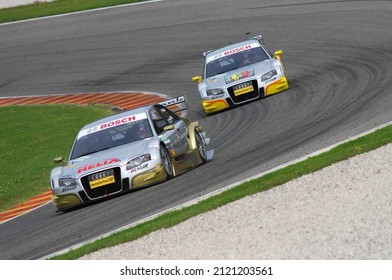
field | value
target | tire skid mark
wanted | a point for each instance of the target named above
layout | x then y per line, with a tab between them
122	100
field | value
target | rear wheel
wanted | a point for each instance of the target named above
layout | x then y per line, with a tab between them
167	162
200	143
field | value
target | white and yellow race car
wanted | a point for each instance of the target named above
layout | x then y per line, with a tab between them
129	150
240	73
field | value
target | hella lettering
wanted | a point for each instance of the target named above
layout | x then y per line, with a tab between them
118	122
240	49
98	164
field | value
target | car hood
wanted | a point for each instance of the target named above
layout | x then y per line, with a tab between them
112	157
234	76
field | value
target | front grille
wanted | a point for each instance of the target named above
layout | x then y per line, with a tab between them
102	189
245	96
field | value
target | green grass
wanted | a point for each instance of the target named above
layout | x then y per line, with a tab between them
30	138
43	9
271	180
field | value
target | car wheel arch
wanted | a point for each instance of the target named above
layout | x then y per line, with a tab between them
173	172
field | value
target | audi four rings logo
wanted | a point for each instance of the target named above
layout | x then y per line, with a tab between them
243	85
100	175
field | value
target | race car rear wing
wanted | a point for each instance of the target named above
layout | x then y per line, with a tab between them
177	105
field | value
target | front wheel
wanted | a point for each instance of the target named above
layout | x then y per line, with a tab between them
201	147
167	162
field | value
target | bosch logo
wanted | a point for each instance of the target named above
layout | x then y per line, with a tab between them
100	175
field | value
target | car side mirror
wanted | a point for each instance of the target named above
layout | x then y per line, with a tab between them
196	79
59	160
278	53
168	127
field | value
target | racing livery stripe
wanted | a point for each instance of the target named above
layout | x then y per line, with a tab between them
274	84
122	100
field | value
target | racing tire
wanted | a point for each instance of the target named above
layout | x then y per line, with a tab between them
200	145
166	162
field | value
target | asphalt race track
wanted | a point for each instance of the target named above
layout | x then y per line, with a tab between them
337	56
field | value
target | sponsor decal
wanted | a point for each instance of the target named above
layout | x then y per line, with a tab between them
232	51
102	182
179	143
173	101
65	189
118	122
270	80
239	76
216	96
98	164
101	179
113	123
139	168
236	50
243	88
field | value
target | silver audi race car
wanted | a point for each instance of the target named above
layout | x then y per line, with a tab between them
129	150
240	73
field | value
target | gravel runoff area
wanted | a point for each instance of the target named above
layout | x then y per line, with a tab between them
340	212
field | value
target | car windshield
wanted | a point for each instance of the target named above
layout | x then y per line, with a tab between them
111	137
234	61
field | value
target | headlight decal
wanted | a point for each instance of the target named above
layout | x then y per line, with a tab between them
268	75
214	91
67	182
138	161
